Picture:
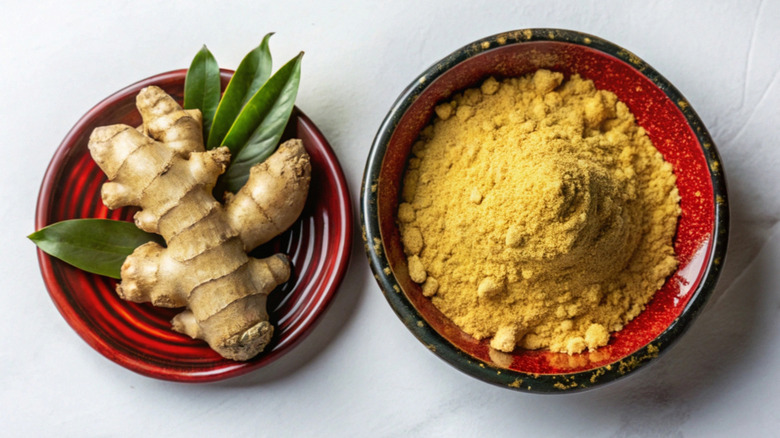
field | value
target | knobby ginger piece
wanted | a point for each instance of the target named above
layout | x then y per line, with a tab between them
163	169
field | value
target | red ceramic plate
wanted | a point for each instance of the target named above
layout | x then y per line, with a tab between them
138	336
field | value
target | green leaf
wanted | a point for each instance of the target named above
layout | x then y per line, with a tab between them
250	75
258	128
99	246
202	87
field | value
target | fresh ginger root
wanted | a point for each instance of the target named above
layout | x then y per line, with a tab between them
162	167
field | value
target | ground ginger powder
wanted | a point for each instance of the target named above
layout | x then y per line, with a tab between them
536	212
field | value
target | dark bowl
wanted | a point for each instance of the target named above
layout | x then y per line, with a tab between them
675	130
139	336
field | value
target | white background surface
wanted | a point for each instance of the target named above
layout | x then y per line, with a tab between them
361	373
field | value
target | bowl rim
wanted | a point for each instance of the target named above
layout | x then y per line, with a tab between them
136	363
539	383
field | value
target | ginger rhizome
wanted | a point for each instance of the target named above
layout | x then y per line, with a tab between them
162	168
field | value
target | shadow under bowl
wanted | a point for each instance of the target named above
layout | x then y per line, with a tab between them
675	130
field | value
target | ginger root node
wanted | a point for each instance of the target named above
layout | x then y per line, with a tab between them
162	168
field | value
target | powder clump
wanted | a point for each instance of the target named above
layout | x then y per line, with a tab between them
536	212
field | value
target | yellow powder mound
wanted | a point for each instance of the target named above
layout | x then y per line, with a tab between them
537	213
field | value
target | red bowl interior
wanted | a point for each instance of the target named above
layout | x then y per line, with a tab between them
138	336
670	133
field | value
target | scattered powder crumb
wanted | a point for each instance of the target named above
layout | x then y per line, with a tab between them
430	287
417	270
405	213
504	339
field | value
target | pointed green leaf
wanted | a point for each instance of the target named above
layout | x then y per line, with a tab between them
202	87
250	75
99	246
258	128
